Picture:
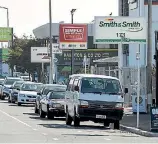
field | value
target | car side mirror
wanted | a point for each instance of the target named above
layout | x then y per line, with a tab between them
126	90
76	88
11	87
18	89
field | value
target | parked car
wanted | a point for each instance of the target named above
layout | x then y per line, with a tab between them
14	91
43	92
28	93
1	87
8	82
53	104
94	97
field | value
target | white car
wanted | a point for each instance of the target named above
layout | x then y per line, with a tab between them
28	93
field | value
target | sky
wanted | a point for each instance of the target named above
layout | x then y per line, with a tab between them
26	15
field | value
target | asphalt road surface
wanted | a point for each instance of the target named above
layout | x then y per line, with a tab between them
21	125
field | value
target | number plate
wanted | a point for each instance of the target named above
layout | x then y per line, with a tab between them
101	116
32	100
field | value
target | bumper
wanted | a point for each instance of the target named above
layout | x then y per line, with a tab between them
57	112
26	101
6	94
91	114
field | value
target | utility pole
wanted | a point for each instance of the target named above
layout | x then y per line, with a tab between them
50	37
149	57
72	51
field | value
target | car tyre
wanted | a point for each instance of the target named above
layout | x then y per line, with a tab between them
117	124
106	124
68	118
49	114
42	113
36	110
9	101
76	120
19	104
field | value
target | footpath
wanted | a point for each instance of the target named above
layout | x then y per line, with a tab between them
129	123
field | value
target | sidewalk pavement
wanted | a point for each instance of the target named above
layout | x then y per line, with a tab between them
129	123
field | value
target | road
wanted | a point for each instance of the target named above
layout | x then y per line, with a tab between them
21	125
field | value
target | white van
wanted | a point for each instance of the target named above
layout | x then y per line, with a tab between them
97	98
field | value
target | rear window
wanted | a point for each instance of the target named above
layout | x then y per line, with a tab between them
56	88
11	81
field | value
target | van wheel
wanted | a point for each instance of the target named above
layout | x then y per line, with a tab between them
106	124
76	120
117	124
68	118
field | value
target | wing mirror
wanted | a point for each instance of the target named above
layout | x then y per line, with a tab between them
76	88
39	93
126	90
18	89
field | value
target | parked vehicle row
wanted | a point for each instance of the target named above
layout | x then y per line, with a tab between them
86	97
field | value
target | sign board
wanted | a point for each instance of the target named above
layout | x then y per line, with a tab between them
154	118
73	36
5	34
114	30
55	49
39	55
142	104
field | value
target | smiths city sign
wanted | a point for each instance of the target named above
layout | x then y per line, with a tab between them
120	29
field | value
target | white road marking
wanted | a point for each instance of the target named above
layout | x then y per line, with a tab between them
107	139
55	139
15	118
35	129
44	134
79	131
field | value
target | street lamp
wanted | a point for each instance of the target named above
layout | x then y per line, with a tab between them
72	51
7	14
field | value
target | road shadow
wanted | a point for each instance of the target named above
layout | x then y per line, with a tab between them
45	119
81	127
32	114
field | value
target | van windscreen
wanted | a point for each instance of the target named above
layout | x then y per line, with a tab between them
100	85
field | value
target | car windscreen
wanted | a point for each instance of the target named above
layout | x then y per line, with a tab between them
57	88
18	84
11	81
57	95
1	81
30	87
100	85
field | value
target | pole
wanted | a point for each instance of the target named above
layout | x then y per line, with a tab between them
72	51
42	72
85	64
149	56
51	55
156	61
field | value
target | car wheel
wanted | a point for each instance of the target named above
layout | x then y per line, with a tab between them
106	124
19	104
76	120
68	118
117	124
49	114
9	101
36	110
42	113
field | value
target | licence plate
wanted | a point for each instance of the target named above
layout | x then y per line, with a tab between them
32	100
101	116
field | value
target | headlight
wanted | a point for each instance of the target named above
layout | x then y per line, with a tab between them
57	105
119	105
21	95
84	103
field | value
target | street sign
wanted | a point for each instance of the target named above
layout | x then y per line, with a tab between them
73	36
55	49
110	30
154	118
39	55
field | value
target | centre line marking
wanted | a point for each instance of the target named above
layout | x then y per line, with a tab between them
15	118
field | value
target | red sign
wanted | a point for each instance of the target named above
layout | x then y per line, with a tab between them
73	36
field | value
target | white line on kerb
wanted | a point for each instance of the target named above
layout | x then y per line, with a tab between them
55	139
107	139
15	118
44	133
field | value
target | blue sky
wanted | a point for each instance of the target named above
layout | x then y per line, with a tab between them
25	15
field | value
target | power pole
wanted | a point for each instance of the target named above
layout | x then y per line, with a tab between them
149	57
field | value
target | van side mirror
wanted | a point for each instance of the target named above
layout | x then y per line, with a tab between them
126	90
18	89
76	88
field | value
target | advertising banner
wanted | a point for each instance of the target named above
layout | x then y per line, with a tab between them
142	104
5	34
114	30
39	55
73	36
154	118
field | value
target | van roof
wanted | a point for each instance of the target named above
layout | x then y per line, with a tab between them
93	75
